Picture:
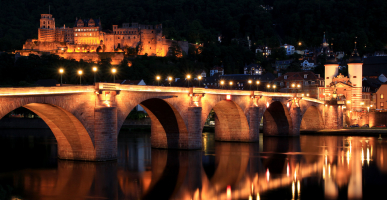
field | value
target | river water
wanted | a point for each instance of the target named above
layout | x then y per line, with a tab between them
308	167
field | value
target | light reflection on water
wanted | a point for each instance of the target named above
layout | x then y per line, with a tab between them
309	167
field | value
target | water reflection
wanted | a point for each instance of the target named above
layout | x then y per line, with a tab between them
315	167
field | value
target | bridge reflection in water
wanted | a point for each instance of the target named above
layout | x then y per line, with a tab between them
223	170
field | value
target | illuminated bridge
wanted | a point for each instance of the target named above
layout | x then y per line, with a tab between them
86	119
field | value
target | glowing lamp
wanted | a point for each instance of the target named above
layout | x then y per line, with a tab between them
114	70
80	72
228	97
170	78
250	81
95	69
188	76
287	105
267	104
158	77
199	77
61	70
348	101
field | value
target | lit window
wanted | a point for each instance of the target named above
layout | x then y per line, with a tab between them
381	104
381	96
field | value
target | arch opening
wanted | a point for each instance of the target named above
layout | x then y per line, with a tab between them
277	120
73	140
168	129
230	122
312	119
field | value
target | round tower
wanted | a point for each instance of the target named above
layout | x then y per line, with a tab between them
331	69
355	75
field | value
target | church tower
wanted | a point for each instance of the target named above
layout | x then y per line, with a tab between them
46	31
355	75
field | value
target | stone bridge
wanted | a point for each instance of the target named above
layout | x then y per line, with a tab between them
86	119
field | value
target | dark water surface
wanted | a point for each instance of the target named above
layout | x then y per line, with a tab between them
308	167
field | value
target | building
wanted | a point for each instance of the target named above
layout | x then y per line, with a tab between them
290	49
252	69
307	65
380	101
217	69
87	41
301	82
282	64
266	51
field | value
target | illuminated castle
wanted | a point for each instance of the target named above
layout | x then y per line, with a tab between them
86	39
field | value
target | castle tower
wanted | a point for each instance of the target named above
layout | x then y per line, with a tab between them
46	31
355	74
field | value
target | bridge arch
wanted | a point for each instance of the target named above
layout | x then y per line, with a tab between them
74	141
231	123
277	120
312	119
168	129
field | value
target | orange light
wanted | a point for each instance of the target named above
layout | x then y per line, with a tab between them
228	97
228	192
267	104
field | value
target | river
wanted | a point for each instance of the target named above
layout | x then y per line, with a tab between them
305	167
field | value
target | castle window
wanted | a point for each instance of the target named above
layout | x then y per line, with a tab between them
381	104
44	22
129	37
134	37
48	26
381	96
152	31
150	47
354	76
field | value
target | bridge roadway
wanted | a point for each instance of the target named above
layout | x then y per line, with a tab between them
86	119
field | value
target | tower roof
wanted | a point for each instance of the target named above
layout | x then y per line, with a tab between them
331	59
355	58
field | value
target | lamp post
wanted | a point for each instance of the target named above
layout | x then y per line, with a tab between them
61	73
258	84
199	78
170	80
114	71
250	81
298	87
222	83
268	87
80	72
95	71
158	80
274	87
231	85
188	77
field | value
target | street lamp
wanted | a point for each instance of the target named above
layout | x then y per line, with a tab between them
95	71
199	78
274	87
188	77
298	87
170	80
61	73
268	87
222	83
80	72
158	80
231	84
258	84
114	71
250	81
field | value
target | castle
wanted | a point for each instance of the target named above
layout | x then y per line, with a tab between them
87	41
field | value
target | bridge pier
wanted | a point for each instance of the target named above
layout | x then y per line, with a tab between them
333	115
295	114
194	128
105	133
